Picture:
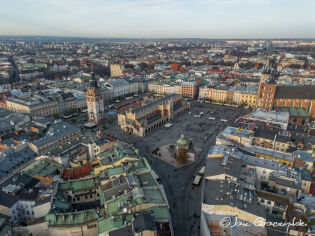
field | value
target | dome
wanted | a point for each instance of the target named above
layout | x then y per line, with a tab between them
182	141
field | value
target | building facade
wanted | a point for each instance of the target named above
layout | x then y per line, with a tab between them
189	89
35	105
266	95
302	97
147	118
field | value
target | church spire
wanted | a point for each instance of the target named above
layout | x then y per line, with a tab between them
93	81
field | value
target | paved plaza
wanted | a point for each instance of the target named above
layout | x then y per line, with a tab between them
184	199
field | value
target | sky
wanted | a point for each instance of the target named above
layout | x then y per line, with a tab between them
159	18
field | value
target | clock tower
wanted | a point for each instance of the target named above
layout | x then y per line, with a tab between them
95	102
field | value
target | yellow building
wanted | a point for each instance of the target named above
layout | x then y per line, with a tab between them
159	88
248	98
217	95
270	139
281	157
115	70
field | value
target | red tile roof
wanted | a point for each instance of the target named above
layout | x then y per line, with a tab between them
76	173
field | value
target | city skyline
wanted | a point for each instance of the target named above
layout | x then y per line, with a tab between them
241	19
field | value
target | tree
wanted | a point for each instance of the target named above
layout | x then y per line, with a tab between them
182	155
242	105
75	62
131	66
171	147
264	185
70	111
143	66
56	116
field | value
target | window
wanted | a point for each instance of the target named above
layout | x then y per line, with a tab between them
91	226
269	202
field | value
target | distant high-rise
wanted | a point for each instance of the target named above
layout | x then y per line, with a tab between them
95	102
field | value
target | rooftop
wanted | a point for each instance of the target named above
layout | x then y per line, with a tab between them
157	102
78	185
42	167
304	156
15	157
109	224
56	131
228	165
72	218
269	152
222	192
237	131
31	101
294	111
258	161
295	92
270	115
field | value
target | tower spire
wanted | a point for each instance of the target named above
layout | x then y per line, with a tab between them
93	81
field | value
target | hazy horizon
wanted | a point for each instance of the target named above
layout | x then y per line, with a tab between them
147	38
159	19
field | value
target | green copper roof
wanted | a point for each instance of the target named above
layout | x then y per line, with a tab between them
114	171
160	212
109	224
114	206
153	195
182	141
42	167
295	111
77	185
72	218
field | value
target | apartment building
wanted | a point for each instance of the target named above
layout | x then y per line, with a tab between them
35	105
57	134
